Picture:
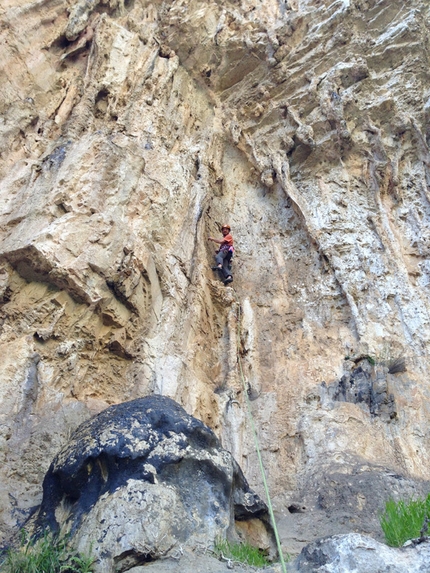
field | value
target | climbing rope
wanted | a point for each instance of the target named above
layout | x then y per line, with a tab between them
257	447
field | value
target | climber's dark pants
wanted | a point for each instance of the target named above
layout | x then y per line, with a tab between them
224	258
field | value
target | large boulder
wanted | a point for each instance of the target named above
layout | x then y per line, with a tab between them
354	553
144	480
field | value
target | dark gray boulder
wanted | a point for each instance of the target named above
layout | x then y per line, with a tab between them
144	480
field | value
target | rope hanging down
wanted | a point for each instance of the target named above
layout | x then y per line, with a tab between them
257	447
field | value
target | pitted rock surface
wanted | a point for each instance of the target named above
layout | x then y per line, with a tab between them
143	479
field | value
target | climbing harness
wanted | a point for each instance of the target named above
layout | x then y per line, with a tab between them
257	446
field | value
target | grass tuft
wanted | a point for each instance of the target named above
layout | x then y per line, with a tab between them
241	553
48	554
397	365
404	520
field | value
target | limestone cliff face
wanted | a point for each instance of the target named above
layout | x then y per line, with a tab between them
130	131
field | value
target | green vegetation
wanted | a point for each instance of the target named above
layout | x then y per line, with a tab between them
241	553
404	520
48	554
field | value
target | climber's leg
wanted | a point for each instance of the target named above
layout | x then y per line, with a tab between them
226	267
219	258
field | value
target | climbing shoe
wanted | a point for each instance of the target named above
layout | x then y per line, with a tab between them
228	280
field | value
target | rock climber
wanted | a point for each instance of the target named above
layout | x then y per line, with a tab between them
224	254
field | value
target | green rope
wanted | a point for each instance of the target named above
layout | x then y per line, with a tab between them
257	447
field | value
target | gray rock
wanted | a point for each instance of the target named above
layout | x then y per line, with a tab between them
354	553
366	385
143	480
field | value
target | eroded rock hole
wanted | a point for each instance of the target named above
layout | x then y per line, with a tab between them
101	103
61	43
130	559
296	508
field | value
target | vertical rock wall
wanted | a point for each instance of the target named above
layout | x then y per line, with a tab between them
130	131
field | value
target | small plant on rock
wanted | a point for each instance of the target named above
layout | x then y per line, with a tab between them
404	520
49	554
396	365
394	361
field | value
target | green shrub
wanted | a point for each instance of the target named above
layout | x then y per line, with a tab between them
241	552
48	554
404	520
